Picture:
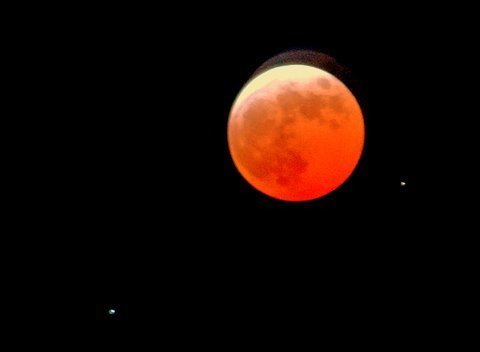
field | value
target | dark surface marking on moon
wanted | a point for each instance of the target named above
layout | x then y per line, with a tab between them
311	106
336	103
324	83
334	125
288	99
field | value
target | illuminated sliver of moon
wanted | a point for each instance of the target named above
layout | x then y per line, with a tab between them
295	132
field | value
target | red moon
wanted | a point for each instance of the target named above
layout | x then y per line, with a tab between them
295	132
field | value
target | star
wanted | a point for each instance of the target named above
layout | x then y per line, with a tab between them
111	311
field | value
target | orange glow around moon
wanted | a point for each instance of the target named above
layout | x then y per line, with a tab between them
296	132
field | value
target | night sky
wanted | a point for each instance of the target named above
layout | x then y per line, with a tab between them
173	237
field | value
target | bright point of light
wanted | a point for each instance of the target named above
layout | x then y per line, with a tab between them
112	311
403	184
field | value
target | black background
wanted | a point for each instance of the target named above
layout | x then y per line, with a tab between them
170	235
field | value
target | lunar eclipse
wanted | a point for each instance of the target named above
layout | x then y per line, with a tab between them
296	132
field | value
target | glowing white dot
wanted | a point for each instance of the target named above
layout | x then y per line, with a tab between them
112	311
403	184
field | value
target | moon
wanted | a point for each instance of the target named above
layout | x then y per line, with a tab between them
295	132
